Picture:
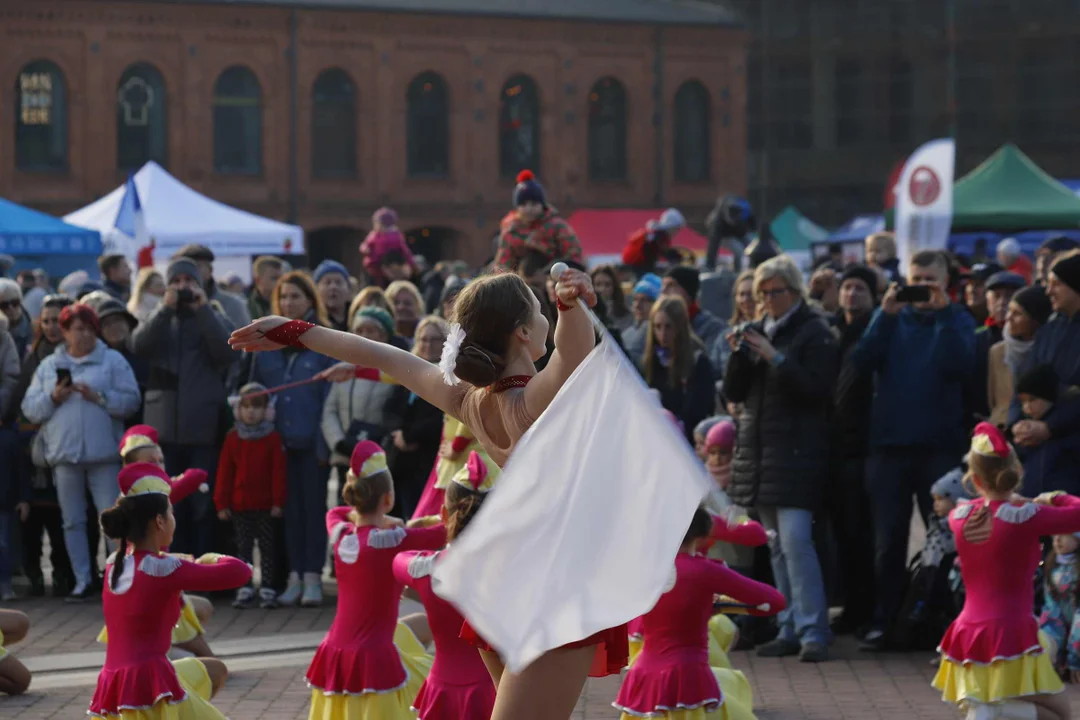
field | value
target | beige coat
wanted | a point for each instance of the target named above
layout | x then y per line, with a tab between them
999	385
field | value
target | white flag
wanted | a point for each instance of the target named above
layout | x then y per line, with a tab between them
924	200
581	532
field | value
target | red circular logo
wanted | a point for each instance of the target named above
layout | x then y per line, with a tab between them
924	187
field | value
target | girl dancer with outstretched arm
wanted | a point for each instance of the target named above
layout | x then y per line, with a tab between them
499	334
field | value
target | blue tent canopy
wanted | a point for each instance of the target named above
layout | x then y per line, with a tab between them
857	228
35	239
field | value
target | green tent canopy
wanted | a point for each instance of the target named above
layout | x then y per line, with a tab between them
794	231
1008	192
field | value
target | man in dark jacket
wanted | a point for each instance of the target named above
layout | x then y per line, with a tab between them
232	306
1057	344
115	276
186	342
782	370
922	354
1000	288
849	504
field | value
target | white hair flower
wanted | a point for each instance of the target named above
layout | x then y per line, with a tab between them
450	351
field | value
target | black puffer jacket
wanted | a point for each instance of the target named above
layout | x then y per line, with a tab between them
782	447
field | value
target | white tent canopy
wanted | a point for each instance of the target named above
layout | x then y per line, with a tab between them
175	215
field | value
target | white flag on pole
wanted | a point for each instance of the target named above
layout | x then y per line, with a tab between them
581	532
924	200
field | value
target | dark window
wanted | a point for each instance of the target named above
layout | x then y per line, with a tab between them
140	118
791	106
333	125
847	92
428	130
607	130
756	131
237	123
41	124
692	128
519	127
901	102
1042	110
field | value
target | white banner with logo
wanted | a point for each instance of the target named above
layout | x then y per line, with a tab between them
924	200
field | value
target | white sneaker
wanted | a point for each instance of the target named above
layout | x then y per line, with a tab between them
312	590
267	598
292	591
245	598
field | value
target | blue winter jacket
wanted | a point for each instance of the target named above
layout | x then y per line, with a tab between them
299	409
921	360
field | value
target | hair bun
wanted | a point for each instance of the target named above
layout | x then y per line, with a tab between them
477	366
525	176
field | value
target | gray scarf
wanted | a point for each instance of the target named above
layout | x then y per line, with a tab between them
254	432
1016	352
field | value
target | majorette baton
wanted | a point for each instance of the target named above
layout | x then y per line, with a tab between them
279	388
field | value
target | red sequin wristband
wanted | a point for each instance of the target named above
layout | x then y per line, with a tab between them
562	307
289	333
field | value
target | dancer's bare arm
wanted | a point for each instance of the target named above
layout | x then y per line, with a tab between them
415	373
574	340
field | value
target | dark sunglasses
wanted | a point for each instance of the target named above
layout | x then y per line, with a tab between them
12	304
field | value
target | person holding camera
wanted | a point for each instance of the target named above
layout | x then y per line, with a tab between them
782	372
185	341
80	395
921	348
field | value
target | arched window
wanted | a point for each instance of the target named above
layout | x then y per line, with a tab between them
333	125
692	147
427	146
519	126
607	130
41	123
237	123
140	118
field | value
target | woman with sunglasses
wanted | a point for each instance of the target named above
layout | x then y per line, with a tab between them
19	324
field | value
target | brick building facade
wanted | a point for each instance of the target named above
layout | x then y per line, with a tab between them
319	116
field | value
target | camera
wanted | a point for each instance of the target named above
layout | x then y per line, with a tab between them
184	296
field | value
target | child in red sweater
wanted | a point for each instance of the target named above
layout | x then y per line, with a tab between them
251	486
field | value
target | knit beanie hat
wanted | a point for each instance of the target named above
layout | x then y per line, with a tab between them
254	388
181	266
648	285
385	217
195	251
688	279
1058	244
1040	382
863	273
670	221
1009	247
528	189
702	428
1035	303
721	435
330	266
1067	270
378	315
951	485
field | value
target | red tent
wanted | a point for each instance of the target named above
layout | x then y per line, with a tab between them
605	232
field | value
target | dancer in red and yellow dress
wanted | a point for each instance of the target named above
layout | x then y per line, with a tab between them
140	444
672	677
498	334
459	685
14	677
993	661
141	602
358	673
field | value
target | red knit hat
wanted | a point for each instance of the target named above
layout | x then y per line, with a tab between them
138	436
721	435
144	479
367	459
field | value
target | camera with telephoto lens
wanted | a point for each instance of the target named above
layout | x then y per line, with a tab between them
184	296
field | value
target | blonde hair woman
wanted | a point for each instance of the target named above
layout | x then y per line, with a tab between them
408	307
371	296
147	293
744	302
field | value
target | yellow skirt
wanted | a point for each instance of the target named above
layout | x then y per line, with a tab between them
195	706
732	709
414	657
187	627
370	706
1003	680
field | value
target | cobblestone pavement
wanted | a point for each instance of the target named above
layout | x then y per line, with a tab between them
854	686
